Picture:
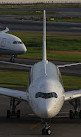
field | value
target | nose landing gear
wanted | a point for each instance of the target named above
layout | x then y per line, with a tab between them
12	58
46	130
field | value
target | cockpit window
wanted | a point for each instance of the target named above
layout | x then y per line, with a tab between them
46	95
17	42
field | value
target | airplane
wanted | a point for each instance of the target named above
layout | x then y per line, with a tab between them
11	45
46	94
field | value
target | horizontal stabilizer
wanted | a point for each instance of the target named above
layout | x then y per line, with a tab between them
68	65
17	64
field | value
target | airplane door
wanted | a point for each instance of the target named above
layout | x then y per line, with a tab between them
3	42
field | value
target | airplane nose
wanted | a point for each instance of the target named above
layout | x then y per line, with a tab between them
23	49
46	111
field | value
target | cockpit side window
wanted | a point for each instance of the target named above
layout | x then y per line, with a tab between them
20	42
17	42
46	95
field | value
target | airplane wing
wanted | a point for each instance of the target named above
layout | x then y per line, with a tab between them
15	93
68	65
72	94
6	30
21	95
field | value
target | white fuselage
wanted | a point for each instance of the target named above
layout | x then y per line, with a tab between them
11	45
46	96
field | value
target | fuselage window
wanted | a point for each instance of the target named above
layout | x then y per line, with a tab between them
46	95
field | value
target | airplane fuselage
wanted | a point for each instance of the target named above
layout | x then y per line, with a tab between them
46	93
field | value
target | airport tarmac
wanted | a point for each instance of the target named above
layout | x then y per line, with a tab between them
37	26
30	125
14	24
60	12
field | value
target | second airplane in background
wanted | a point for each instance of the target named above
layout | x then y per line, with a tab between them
11	45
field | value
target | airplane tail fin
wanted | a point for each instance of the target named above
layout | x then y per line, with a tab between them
4	31
44	57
